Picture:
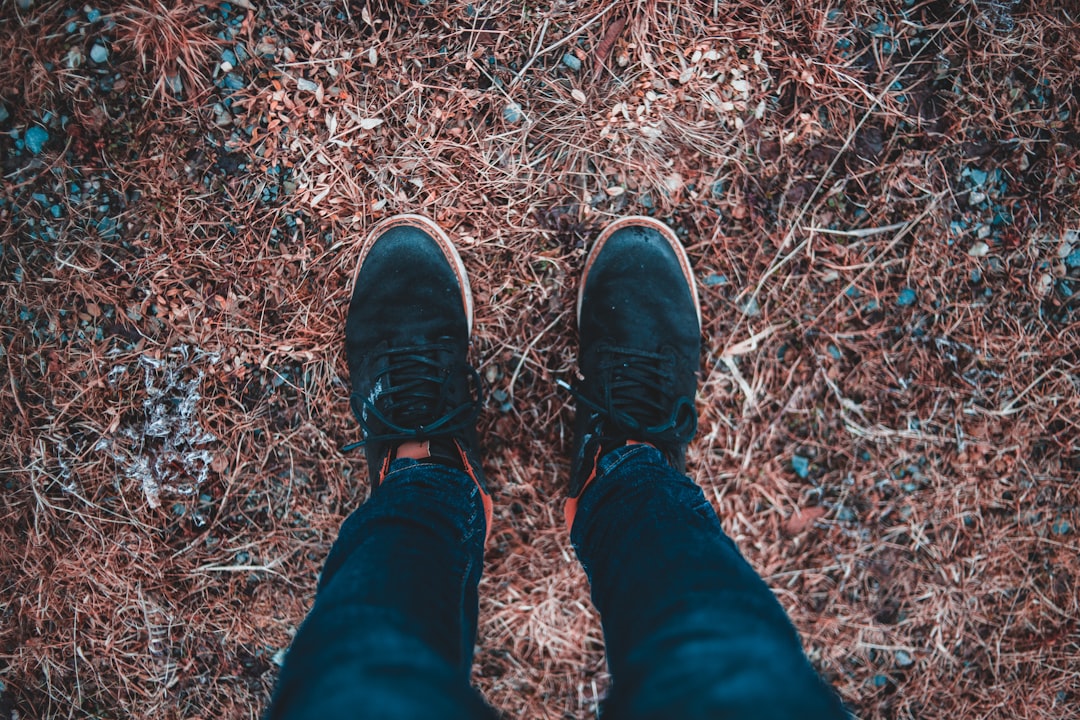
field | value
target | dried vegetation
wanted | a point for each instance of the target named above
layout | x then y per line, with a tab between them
880	197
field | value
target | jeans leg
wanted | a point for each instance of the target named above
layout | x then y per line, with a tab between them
392	629
690	629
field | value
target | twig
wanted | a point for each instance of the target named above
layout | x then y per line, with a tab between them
860	232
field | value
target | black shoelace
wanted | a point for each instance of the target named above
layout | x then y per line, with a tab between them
635	401
417	406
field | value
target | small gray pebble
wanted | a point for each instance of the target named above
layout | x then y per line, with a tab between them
4	115
222	118
512	113
750	307
571	61
903	659
99	54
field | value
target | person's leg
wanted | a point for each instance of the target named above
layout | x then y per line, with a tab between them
691	630
392	629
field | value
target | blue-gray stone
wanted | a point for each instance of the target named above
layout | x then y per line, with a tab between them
801	466
714	279
750	307
835	352
907	298
99	53
978	176
903	658
35	139
4	114
230	57
512	113
571	61
93	15
234	82
1073	260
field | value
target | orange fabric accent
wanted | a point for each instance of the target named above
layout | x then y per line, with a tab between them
485	498
571	504
382	473
414	450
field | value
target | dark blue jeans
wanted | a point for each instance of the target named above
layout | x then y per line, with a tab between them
691	631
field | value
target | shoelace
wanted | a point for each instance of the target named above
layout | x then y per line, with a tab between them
420	392
634	398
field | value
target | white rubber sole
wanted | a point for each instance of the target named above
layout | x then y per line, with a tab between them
441	238
667	233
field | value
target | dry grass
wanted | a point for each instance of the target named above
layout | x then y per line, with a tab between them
171	365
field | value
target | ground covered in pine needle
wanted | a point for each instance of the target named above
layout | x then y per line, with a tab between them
880	200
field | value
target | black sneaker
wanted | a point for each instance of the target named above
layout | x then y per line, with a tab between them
639	330
406	339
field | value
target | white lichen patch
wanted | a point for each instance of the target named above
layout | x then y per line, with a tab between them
167	449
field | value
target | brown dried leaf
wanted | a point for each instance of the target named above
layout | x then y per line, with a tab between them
603	48
803	519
